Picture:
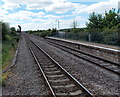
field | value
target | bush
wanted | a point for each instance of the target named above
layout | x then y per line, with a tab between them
8	37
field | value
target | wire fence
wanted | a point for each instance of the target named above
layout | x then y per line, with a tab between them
96	37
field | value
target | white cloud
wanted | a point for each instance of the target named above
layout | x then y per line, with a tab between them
57	17
17	17
31	4
35	24
39	20
60	7
67	23
57	6
10	6
39	5
2	12
23	15
29	13
100	7
86	0
79	18
52	16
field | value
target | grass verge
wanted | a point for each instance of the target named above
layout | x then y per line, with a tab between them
8	51
0	62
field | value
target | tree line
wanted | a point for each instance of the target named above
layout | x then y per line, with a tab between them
101	28
105	28
107	21
8	33
43	33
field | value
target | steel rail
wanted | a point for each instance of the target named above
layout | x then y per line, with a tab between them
39	65
115	63
66	72
96	63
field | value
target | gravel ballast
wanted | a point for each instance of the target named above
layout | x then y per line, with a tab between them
25	78
99	81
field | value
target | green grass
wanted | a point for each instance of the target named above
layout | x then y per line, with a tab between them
0	55
0	62
8	52
7	55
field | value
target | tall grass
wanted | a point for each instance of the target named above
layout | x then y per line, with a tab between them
8	50
0	62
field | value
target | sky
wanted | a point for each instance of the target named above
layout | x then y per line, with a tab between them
45	14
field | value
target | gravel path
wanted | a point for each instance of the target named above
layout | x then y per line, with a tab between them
97	80
25	77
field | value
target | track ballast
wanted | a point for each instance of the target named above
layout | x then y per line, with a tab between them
59	81
99	61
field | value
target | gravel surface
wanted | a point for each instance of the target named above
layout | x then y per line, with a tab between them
100	52
55	78
25	77
97	80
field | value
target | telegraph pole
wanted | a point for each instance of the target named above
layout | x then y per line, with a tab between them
58	24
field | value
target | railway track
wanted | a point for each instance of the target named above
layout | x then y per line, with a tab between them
59	81
99	61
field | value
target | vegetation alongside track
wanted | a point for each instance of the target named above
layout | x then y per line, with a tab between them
10	38
43	33
8	51
101	28
8	46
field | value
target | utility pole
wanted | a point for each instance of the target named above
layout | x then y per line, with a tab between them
55	24
58	24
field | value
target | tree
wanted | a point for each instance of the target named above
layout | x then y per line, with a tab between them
105	28
110	19
13	30
52	32
30	31
95	21
5	29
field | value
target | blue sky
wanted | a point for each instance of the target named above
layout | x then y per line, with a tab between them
44	14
